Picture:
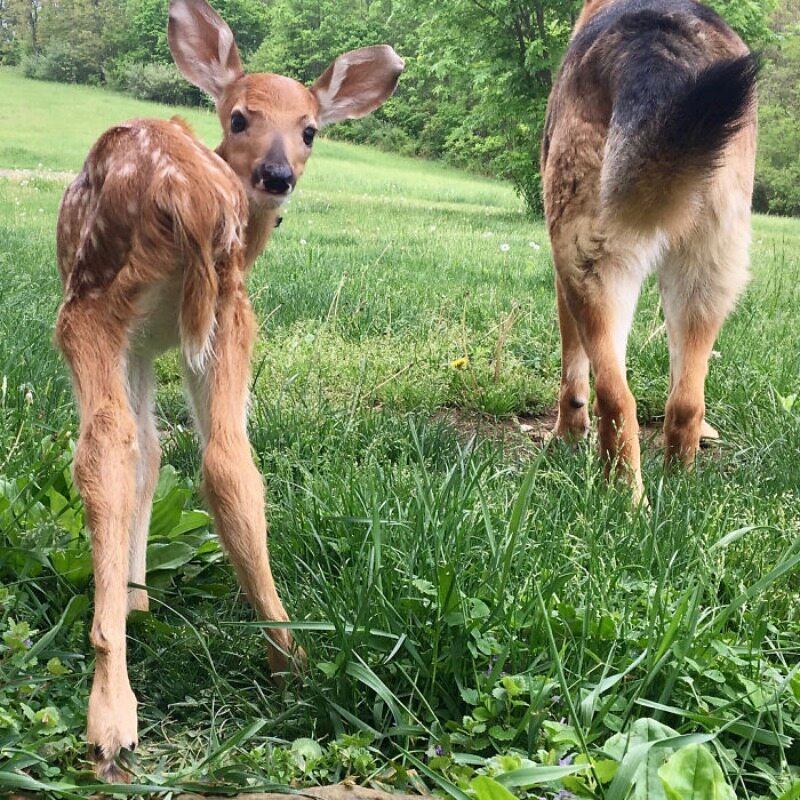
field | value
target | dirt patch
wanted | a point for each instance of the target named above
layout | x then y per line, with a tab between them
531	428
520	434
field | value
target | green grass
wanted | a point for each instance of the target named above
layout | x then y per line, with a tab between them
469	605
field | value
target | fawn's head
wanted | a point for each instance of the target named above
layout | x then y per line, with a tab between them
269	121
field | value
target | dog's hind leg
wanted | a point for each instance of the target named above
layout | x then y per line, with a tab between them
691	338
700	281
696	302
600	289
573	402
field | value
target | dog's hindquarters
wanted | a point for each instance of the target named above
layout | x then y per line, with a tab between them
647	164
669	132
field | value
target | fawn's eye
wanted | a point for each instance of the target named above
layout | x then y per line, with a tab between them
238	122
308	135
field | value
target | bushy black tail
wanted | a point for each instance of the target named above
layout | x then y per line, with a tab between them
668	135
704	118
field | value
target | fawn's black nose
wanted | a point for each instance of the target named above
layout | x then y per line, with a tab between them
274	178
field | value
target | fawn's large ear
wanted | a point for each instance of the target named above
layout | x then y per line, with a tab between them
357	83
203	46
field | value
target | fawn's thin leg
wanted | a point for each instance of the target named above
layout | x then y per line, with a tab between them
233	485
573	402
141	382
105	474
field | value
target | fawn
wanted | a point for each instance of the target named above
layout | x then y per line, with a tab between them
155	239
647	162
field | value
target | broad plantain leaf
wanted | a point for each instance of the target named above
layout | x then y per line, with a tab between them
693	774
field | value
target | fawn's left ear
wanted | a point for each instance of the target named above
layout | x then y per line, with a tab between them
203	46
357	83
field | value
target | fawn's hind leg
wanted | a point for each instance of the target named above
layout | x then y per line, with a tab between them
105	474
233	485
141	383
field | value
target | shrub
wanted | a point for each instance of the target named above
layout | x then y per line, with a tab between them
777	191
10	51
377	132
62	63
159	82
777	188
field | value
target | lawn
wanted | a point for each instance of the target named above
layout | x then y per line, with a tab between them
481	614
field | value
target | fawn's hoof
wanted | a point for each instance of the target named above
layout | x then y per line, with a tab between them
138	600
284	655
112	730
108	765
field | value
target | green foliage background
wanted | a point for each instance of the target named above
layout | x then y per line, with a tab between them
475	88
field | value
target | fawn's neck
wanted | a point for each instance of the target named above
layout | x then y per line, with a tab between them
260	224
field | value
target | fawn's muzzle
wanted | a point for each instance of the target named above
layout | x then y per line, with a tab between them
274	178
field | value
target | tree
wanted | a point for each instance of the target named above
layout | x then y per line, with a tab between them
19	23
146	27
749	18
491	64
304	37
778	170
78	39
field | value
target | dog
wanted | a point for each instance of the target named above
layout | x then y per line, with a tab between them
647	162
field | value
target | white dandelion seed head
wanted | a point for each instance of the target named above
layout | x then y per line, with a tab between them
504	248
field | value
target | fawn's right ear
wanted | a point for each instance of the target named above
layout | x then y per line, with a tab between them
357	83
203	46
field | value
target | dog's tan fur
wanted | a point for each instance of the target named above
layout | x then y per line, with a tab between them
155	238
690	223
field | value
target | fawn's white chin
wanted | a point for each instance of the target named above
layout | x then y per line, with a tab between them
267	200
